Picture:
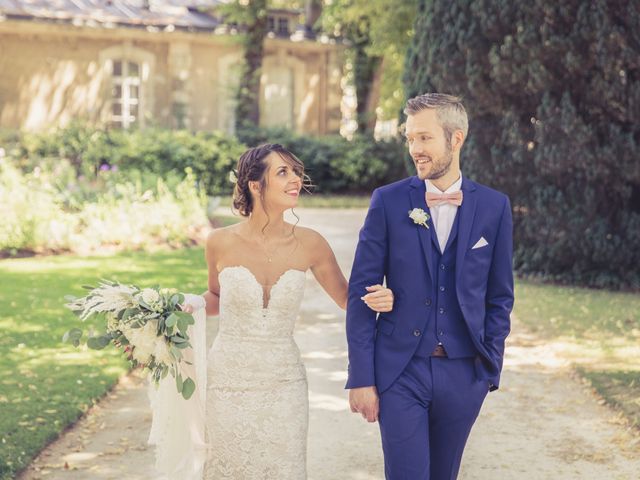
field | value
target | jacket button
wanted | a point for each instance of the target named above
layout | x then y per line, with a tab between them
442	289
416	333
441	311
427	302
440	333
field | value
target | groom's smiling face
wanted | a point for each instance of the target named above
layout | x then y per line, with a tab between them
430	150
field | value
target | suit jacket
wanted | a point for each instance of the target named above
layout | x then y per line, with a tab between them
394	249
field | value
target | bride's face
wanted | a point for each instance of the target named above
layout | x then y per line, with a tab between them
283	183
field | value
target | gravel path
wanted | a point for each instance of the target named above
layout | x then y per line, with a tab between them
541	424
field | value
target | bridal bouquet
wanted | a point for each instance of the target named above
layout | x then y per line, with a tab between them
147	323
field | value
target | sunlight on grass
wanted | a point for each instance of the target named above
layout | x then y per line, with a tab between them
46	385
596	331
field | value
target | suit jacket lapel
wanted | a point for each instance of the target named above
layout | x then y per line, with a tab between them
467	214
417	193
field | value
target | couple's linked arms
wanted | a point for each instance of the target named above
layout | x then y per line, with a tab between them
328	274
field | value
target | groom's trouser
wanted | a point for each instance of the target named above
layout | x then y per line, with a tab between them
426	416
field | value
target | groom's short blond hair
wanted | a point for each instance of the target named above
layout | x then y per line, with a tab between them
449	109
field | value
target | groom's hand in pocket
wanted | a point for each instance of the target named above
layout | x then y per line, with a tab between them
364	400
379	298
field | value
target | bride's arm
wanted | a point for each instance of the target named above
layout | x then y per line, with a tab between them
327	271
212	295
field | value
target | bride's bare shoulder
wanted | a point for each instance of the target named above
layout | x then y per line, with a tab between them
310	238
219	237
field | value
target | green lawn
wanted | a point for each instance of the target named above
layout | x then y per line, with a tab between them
601	331
46	385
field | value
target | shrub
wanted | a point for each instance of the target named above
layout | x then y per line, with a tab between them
42	212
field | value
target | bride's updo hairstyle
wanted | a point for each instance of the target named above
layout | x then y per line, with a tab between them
252	167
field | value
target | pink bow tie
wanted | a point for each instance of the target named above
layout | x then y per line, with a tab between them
435	199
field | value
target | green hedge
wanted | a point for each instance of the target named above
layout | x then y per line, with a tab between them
48	210
335	164
338	165
209	155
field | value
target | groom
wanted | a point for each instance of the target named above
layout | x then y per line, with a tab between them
444	245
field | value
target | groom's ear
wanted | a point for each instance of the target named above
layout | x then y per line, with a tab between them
457	139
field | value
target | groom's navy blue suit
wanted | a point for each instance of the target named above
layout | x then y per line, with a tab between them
460	298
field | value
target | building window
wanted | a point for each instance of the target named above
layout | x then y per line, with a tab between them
125	93
283	26
278	25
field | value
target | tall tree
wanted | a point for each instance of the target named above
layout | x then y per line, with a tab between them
248	106
553	94
366	74
380	37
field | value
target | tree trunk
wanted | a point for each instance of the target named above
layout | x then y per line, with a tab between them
248	106
366	71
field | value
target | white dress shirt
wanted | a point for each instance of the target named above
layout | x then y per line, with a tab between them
443	215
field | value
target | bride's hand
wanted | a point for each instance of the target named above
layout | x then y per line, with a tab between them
379	299
188	308
192	303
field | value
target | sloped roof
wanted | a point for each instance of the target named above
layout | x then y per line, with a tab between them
133	13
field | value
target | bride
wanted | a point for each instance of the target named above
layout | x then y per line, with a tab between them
256	398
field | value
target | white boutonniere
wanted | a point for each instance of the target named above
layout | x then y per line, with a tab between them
419	217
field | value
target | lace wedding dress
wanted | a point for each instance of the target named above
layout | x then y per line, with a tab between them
251	396
257	400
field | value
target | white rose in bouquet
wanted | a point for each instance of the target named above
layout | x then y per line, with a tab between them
143	340
162	353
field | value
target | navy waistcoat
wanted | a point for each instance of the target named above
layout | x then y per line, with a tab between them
446	324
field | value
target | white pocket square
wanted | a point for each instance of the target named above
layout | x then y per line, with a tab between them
480	243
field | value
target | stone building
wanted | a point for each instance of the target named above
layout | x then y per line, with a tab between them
171	63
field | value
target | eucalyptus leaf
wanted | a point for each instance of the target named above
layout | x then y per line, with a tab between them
98	342
142	303
72	336
177	354
182	326
171	320
185	316
188	387
174	300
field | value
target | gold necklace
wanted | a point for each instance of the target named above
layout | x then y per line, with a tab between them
267	253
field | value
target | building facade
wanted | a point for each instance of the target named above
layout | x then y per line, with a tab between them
174	64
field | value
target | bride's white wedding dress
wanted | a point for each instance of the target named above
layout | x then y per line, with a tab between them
257	398
253	398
